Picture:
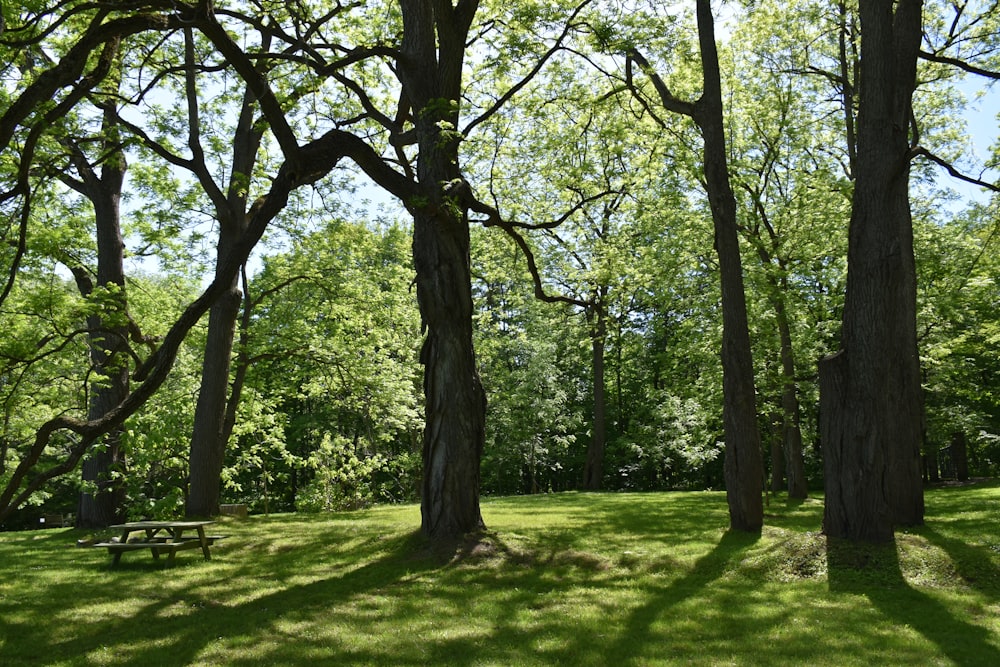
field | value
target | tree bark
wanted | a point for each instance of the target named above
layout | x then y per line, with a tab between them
790	410
208	448
430	70
960	456
777	454
107	337
744	471
215	412
870	391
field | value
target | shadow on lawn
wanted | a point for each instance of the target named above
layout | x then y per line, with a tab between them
874	571
977	566
638	631
184	623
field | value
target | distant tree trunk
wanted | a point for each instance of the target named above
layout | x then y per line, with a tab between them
593	473
870	391
960	456
107	336
931	466
744	470
790	411
777	454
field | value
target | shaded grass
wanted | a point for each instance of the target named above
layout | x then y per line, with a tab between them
574	579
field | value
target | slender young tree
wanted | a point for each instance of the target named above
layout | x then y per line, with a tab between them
743	464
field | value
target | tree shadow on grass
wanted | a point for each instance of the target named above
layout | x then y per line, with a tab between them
177	626
874	571
638	630
975	564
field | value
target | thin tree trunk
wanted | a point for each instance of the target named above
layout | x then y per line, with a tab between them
777	454
593	473
790	412
960	456
744	469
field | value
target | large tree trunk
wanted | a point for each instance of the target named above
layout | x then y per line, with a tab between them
744	470
208	445
430	69
593	473
215	412
870	391
455	403
99	504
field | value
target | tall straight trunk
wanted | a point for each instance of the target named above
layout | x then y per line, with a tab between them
871	410
744	470
208	444
777	454
593	473
795	469
960	456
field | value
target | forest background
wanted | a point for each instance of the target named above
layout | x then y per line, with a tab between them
594	200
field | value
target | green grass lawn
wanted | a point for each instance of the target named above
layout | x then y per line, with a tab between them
571	579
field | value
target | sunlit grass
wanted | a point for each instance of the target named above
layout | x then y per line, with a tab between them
573	579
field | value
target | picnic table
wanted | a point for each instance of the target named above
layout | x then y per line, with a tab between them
161	537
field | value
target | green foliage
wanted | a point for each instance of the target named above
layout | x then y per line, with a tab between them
333	379
959	319
340	478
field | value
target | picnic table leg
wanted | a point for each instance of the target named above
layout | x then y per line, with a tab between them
117	555
204	542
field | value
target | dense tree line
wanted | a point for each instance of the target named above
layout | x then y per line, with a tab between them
310	255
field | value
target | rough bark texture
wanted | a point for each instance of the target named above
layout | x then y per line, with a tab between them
744	470
870	391
430	69
208	448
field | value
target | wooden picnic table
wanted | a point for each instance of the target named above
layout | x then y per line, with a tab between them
161	537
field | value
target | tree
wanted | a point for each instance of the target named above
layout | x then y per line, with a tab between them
744	467
108	327
28	117
870	390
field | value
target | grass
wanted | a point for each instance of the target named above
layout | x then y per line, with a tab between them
564	579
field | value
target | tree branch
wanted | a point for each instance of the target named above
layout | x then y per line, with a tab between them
920	151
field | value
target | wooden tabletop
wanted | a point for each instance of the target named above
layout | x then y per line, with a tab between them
140	525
